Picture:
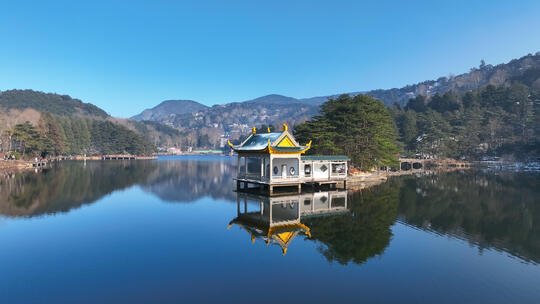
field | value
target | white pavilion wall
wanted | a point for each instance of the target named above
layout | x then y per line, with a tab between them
289	162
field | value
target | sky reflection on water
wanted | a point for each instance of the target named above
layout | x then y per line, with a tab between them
156	231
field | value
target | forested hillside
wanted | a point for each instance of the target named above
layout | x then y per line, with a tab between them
202	126
159	134
61	135
493	120
229	116
48	102
484	74
39	124
169	108
206	126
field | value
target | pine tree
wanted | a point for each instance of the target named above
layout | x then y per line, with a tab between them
360	127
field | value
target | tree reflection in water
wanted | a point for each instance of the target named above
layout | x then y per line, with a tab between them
70	184
67	186
362	233
491	210
499	210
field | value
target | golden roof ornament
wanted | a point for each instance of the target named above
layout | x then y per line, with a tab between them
285	127
253	130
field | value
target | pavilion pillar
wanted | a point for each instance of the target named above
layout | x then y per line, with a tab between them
270	212
262	167
271	172
238	166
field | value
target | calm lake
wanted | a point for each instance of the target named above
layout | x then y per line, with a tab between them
174	231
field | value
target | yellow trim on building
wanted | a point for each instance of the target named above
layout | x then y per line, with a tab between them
286	142
274	151
285	237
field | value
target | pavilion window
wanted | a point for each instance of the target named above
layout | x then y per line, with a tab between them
338	202
254	166
307	170
338	168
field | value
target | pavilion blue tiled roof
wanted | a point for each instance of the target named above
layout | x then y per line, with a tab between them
258	141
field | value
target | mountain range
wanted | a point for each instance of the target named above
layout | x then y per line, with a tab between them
190	123
235	118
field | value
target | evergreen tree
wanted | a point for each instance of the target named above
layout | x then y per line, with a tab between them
409	129
360	127
51	132
494	120
28	140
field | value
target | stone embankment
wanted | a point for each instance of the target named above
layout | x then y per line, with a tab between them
366	179
361	180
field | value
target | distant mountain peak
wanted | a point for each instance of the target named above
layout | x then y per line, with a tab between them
273	99
170	107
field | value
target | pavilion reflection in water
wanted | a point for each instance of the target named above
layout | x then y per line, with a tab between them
278	220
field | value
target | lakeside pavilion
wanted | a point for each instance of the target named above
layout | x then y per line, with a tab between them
278	219
274	159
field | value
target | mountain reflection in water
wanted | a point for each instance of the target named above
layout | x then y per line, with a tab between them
70	184
488	209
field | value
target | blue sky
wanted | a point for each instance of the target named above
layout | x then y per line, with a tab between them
128	56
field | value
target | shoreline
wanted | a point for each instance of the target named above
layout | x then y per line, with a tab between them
10	166
7	166
368	179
